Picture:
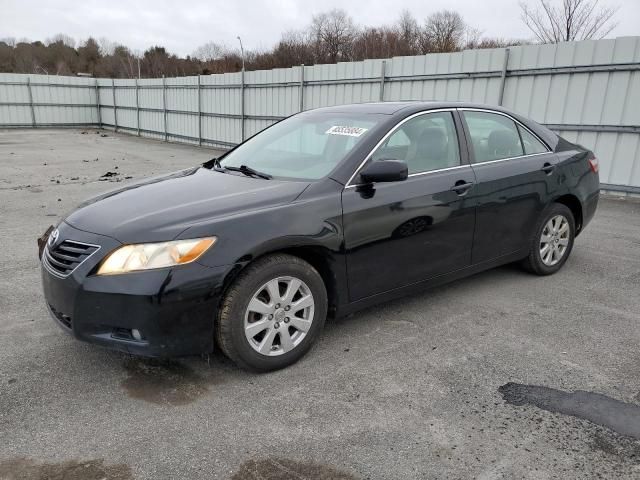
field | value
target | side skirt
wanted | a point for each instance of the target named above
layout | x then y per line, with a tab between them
417	287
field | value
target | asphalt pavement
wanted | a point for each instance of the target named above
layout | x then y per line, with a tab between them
501	375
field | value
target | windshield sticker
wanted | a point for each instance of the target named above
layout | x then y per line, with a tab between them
348	131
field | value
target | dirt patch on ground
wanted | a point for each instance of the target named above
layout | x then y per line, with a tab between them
284	469
28	469
163	382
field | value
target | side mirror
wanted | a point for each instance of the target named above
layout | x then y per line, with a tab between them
385	171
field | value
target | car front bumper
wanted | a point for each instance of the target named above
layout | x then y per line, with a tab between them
173	309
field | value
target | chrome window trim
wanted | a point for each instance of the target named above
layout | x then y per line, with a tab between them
391	132
52	271
510	158
417	174
426	172
495	112
451	109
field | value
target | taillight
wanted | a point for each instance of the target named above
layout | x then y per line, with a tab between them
593	164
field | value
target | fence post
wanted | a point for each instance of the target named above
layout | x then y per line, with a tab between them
242	106
115	107
137	109
503	77
33	113
383	68
199	113
164	104
301	91
98	104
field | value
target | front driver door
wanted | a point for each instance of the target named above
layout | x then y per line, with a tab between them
401	233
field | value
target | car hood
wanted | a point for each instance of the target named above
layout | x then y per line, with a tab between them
159	209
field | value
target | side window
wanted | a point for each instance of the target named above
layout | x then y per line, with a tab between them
399	139
530	142
426	142
493	136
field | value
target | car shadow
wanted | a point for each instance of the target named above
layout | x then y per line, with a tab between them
181	381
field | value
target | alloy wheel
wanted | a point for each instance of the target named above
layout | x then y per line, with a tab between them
554	240
279	316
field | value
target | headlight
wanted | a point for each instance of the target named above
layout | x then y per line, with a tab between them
145	256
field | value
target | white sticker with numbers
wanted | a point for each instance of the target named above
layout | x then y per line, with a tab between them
348	131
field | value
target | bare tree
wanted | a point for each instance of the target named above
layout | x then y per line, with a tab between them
408	33
89	55
572	20
333	33
10	41
209	52
444	31
107	47
62	39
292	49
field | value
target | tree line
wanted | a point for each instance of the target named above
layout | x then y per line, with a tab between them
330	37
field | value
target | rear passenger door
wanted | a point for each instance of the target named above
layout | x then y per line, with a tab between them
516	176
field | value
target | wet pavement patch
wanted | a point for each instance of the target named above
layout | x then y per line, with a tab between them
163	382
621	417
24	468
284	469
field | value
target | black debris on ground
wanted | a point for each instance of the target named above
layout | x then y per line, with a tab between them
109	174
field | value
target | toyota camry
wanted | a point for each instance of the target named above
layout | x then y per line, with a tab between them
324	213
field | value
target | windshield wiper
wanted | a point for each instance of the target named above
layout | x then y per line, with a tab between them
248	171
215	164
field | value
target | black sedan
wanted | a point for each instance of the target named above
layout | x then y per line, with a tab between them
321	214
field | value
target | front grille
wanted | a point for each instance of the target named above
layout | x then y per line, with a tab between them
65	258
65	320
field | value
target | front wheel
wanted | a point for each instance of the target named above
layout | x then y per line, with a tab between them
552	241
272	313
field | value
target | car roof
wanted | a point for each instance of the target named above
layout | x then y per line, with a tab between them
390	108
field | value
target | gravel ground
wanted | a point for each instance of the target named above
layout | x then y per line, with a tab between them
409	389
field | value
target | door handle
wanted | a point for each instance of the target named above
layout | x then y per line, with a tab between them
548	168
461	187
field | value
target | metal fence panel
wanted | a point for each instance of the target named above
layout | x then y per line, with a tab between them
588	91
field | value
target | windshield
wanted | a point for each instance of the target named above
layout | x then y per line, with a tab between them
306	146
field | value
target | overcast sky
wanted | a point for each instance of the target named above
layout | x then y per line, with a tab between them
182	26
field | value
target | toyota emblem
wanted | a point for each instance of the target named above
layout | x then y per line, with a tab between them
53	237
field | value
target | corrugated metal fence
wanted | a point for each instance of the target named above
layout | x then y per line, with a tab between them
588	91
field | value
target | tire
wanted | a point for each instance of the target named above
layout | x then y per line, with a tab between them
539	263
249	303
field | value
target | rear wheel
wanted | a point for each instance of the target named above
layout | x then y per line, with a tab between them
552	240
272	313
